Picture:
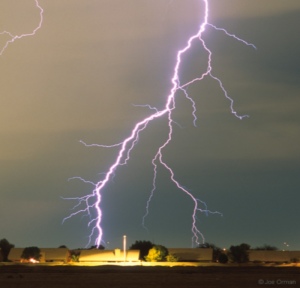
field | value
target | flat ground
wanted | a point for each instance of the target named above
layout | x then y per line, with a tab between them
30	276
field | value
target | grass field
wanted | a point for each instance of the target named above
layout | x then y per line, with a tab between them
29	276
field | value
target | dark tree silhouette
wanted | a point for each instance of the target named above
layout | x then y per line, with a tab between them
222	258
31	253
239	253
101	247
266	247
62	246
5	247
143	246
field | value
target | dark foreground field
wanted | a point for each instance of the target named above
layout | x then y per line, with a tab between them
144	277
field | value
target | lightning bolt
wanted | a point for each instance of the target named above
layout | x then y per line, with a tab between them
91	203
13	38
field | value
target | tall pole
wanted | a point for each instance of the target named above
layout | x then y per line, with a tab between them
124	247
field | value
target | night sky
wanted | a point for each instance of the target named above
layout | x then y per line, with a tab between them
80	77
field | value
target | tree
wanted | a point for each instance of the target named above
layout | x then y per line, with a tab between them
266	247
31	253
62	246
143	246
239	253
74	255
5	247
217	251
172	258
101	247
223	258
157	253
207	245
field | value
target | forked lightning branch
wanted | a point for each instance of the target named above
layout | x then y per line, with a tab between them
92	204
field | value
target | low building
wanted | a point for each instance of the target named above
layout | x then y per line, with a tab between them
273	256
96	255
15	254
47	254
54	254
192	254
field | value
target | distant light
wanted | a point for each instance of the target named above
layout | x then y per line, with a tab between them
32	260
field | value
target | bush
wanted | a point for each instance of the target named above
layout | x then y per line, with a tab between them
157	253
75	258
223	258
171	258
74	255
